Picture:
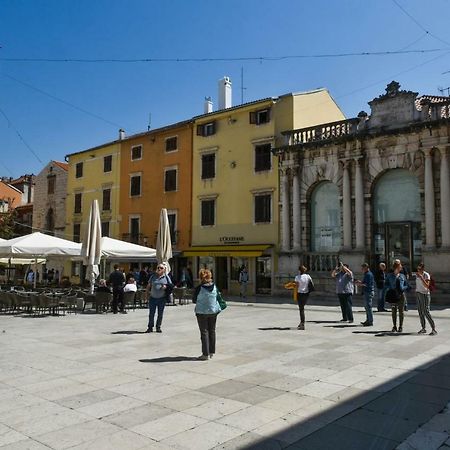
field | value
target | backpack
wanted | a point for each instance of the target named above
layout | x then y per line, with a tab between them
432	285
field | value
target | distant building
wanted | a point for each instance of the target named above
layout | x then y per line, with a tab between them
372	188
50	192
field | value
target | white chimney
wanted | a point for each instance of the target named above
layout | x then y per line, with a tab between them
121	134
225	93
208	106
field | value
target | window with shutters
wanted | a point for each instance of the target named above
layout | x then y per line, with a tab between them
208	166
208	212
263	208
76	232
260	117
170	180
136	152
134	229
135	185
206	129
107	163
77	203
106	206
51	183
172	218
263	157
105	229
171	144
79	170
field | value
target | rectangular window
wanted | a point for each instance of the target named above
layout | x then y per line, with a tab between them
135	185
263	157
260	117
79	170
134	229
208	212
207	129
51	182
77	232
107	163
208	166
263	208
136	152
170	180
105	229
171	144
106	200
77	205
172	217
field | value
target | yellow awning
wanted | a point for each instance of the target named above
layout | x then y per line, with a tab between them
227	250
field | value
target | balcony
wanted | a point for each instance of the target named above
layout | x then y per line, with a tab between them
320	262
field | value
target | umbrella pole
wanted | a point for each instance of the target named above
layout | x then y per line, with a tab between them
35	274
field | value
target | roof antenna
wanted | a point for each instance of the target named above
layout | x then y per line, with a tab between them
149	126
242	85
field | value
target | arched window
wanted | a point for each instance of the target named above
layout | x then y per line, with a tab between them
325	218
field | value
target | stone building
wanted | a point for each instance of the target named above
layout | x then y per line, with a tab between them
372	188
49	209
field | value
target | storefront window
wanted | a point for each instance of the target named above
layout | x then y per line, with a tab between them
325	218
236	264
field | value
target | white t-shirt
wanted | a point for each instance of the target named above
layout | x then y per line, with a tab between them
302	281
420	287
130	287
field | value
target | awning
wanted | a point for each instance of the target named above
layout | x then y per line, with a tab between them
227	250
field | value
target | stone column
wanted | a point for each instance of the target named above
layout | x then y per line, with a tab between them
346	207
296	211
359	205
430	225
445	199
285	242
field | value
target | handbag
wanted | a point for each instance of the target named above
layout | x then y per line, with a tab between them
221	301
311	286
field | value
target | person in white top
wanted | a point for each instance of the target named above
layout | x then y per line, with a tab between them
130	286
304	287
423	299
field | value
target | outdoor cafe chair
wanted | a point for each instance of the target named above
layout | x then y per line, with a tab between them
129	298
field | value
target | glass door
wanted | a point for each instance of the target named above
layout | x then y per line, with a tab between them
399	243
263	275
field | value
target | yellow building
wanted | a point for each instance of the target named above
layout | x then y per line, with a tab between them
93	174
235	213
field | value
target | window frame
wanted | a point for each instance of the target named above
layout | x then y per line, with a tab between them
169	140
258	196
174	231
263	169
108	203
255	117
131	220
79	170
213	201
51	184
166	171
106	224
140	154
76	227
78	203
207	129
132	176
214	168
107	164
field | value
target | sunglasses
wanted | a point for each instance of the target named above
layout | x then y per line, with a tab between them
160	268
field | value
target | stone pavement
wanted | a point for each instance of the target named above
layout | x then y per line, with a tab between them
90	381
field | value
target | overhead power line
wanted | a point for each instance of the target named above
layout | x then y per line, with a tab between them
222	59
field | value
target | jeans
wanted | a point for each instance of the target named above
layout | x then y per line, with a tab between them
244	289
117	298
381	293
153	304
368	297
423	307
207	327
302	300
399	306
345	301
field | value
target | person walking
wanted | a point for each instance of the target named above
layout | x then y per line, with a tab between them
243	281
368	288
158	286
305	285
423	299
344	290
206	310
380	280
117	281
396	285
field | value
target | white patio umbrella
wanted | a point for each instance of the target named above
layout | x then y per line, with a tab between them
125	251
91	246
163	241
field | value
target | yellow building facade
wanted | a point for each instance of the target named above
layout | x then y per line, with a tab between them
93	174
235	195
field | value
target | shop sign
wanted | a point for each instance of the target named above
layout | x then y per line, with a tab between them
231	239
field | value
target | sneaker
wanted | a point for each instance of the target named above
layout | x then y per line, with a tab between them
350	321
149	330
400	329
301	326
211	355
203	358
394	329
367	324
422	331
433	333
343	320
158	330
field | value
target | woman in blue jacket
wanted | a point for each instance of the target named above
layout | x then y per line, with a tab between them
396	281
206	310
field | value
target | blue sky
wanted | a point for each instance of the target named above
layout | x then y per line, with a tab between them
95	99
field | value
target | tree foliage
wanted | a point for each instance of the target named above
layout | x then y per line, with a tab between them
7	223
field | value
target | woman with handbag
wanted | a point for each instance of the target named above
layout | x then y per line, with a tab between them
207	307
305	285
396	285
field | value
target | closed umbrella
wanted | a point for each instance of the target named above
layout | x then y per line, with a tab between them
91	247
163	241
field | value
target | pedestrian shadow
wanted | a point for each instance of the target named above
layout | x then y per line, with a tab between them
164	359
342	326
381	333
322	321
277	328
128	332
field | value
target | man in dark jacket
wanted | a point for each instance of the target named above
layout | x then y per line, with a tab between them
117	281
380	279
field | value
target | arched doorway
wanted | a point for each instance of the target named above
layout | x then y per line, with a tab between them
396	218
325	218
